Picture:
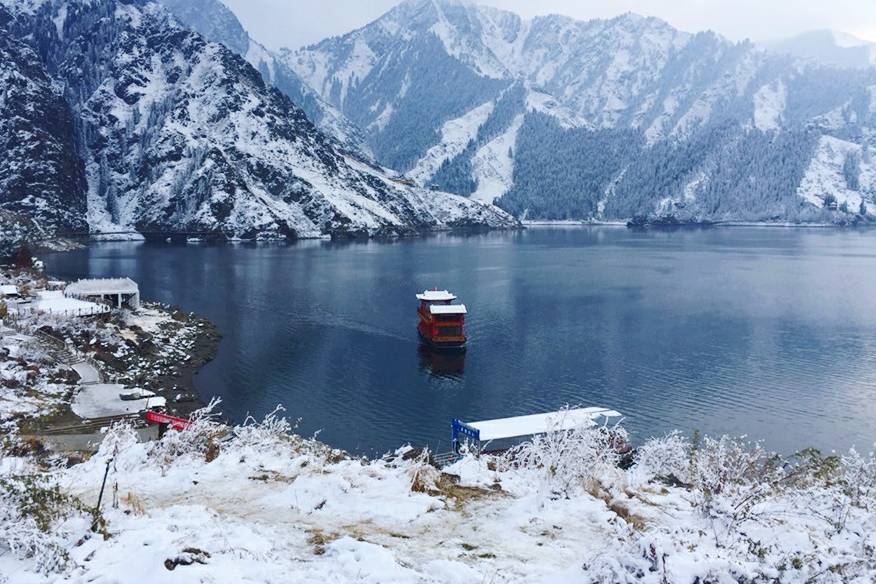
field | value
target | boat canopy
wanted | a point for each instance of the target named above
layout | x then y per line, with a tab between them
447	309
518	426
436	296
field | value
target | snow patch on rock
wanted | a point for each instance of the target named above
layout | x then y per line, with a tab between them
493	164
769	105
825	175
455	136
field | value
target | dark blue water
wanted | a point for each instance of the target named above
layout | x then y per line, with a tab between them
764	332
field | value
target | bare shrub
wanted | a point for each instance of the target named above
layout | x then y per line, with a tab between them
31	506
200	437
273	428
567	460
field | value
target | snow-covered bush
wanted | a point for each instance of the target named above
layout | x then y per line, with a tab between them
273	428
119	441
31	507
201	437
857	478
767	518
730	476
667	457
568	460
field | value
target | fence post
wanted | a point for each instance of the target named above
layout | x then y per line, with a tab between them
100	496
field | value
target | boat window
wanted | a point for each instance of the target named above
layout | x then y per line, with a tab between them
450	331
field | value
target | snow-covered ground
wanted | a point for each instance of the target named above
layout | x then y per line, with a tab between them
256	504
54	302
29	386
103	399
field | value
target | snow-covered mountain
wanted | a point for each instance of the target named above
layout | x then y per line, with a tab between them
40	175
215	22
174	133
828	47
558	118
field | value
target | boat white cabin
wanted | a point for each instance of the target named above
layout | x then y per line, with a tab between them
436	296
447	309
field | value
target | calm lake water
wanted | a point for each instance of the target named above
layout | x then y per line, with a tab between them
766	332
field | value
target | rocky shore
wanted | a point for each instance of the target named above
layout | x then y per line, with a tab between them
157	349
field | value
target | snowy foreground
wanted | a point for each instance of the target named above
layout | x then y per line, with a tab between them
258	504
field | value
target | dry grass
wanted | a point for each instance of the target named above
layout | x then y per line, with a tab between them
212	451
620	509
133	502
438	484
319	539
272	476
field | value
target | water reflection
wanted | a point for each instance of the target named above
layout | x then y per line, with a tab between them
442	364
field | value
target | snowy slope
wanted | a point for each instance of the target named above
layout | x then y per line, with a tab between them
843	170
769	103
263	506
215	22
493	164
183	135
40	174
455	136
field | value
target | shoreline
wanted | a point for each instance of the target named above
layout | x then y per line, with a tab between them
157	348
731	224
204	350
65	244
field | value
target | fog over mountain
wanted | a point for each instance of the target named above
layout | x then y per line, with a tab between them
297	23
828	47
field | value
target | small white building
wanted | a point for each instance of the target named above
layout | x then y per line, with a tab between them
119	292
54	302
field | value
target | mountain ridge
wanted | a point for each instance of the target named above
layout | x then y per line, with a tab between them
600	78
178	134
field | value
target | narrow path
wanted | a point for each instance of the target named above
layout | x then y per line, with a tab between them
87	373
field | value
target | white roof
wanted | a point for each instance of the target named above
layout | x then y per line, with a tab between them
541	423
103	286
56	303
9	289
435	296
447	308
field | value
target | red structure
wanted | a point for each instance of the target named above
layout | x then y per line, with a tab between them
164	422
442	323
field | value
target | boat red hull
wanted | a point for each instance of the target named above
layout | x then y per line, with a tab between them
441	344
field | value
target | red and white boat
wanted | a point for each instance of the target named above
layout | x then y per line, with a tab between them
442	323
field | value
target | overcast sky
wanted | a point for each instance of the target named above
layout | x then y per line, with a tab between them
293	23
